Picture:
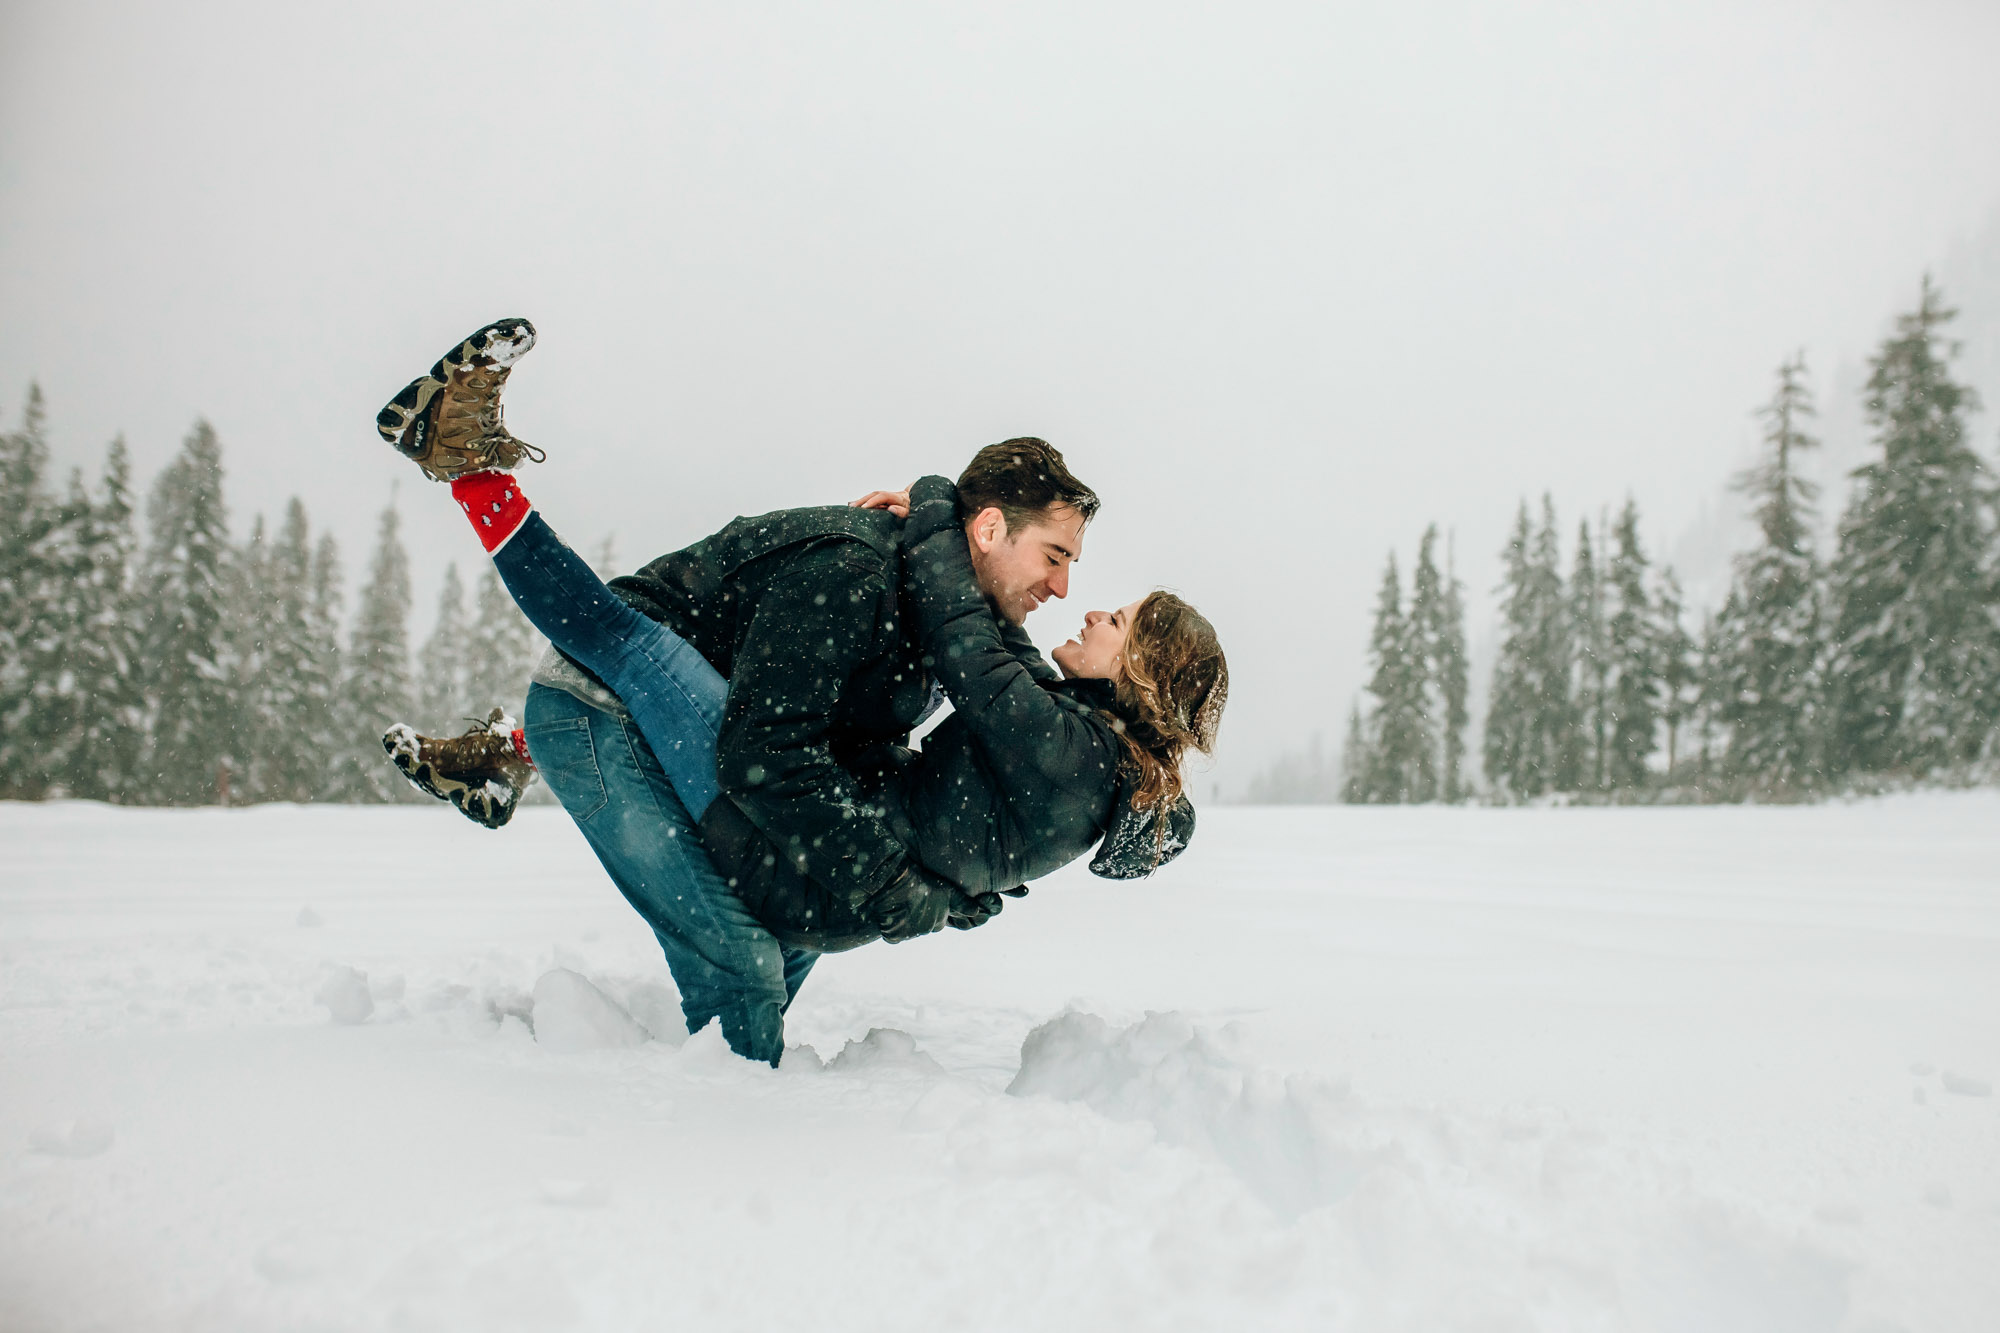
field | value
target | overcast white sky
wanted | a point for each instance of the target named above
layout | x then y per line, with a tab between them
1285	282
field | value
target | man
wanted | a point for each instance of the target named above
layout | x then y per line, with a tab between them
801	612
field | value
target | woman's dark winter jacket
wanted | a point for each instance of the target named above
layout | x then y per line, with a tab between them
1020	779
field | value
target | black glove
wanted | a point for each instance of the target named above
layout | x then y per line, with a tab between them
914	903
976	909
973	909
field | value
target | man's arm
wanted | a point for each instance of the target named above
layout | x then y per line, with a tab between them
806	638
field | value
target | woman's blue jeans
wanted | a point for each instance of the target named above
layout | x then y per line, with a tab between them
637	788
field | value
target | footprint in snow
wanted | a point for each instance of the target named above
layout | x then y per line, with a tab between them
1966	1086
72	1138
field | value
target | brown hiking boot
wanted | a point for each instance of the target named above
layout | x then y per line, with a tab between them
450	422
483	772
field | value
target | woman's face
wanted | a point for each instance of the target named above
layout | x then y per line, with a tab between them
1098	650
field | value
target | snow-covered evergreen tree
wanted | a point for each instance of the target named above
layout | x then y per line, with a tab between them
502	648
1451	679
26	509
1705	718
257	723
1402	756
1770	660
441	695
101	760
1509	745
1915	671
1354	758
375	686
186	608
1530	743
279	697
1423	631
1584	767
46	708
323	740
1632	652
1678	664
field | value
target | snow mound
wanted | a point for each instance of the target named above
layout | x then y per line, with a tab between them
1180	1079
571	1014
345	994
1435	1219
885	1048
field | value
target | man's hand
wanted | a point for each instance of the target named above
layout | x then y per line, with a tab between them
896	502
976	909
912	904
973	909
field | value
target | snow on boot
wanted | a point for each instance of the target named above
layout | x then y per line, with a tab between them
450	422
483	772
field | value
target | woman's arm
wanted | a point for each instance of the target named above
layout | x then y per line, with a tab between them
1024	729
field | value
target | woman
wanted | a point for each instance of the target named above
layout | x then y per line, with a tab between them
1029	773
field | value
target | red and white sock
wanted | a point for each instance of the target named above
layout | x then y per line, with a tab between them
494	503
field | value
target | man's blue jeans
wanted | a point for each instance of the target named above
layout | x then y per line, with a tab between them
637	788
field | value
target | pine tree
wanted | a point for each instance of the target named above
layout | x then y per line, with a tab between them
1511	748
1424	632
1585	751
322	739
1679	668
287	693
1633	656
1705	718
502	650
186	602
1400	751
375	688
1354	759
257	721
46	707
441	695
1915	662
26	510
1769	664
1451	674
1553	738
102	762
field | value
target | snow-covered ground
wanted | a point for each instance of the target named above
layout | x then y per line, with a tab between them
1688	1070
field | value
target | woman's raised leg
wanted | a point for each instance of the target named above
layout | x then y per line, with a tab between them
672	692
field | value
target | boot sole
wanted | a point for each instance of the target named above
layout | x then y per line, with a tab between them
490	804
405	421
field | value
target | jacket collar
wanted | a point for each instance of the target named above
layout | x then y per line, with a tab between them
1090	693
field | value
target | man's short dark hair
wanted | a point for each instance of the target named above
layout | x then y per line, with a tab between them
1023	478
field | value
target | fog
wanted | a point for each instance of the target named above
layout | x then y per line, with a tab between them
1285	283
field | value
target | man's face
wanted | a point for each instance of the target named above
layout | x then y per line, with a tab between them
1018	571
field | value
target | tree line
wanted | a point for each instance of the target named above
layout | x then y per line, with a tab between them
1875	666
184	668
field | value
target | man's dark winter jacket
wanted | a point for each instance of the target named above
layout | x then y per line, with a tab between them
800	611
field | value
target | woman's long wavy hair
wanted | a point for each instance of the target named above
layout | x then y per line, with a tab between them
1170	698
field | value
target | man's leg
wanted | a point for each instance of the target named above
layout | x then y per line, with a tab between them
726	964
798	962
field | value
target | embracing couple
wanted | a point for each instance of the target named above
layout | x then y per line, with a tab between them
728	727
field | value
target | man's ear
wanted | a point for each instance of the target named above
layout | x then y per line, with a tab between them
987	529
